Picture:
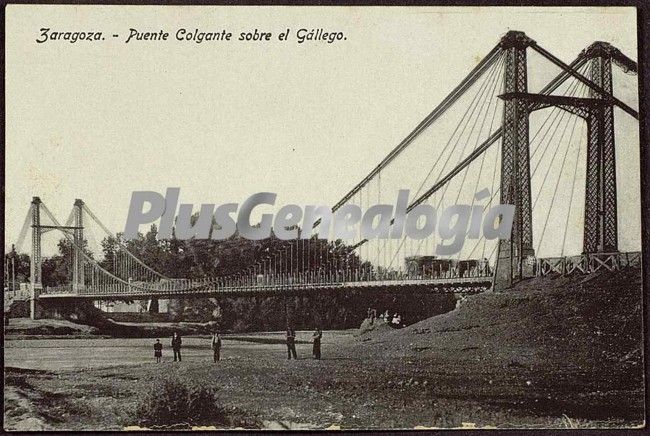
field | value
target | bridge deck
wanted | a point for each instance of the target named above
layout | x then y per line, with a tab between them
442	285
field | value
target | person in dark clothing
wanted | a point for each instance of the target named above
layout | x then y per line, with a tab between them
176	346
157	350
318	334
291	344
216	347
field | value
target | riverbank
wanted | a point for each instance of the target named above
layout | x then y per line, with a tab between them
551	353
351	387
25	328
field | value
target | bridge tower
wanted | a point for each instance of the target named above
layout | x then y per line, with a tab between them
512	255
78	281
600	220
35	269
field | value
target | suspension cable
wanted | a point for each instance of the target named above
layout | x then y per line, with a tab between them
573	185
119	242
557	184
480	95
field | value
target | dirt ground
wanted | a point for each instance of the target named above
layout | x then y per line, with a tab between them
554	355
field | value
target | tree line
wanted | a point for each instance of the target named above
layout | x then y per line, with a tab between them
198	258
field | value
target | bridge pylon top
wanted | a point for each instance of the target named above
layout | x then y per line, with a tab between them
602	49
515	38
36	200
78	202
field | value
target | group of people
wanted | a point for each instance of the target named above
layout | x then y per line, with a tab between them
385	317
176	343
291	343
176	347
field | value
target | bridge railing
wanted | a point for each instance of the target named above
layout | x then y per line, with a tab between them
57	290
587	263
17	293
350	277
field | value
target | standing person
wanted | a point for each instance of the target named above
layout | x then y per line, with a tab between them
157	350
216	347
291	343
176	346
318	334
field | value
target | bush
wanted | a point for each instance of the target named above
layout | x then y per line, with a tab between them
172	402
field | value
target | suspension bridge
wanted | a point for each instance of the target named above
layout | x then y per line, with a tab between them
455	155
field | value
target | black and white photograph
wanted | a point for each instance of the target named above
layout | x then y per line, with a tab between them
237	217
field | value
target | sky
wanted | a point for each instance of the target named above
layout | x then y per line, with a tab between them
223	120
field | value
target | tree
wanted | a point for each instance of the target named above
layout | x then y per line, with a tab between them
110	247
18	267
57	269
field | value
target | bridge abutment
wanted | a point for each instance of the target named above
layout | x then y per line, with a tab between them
35	307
